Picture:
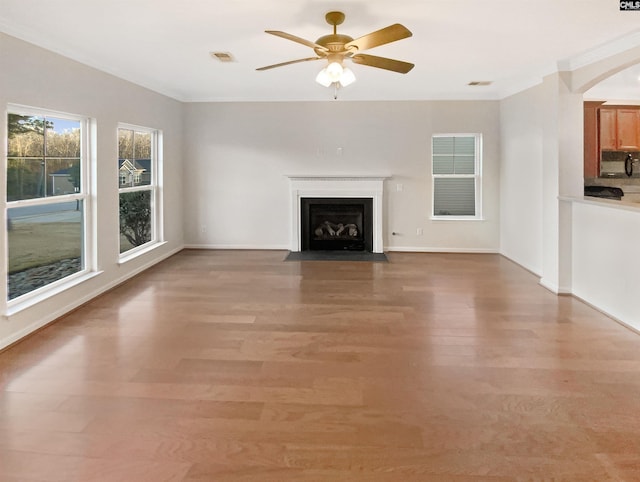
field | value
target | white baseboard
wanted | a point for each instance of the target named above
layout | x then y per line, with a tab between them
407	249
422	249
555	288
524	266
238	246
631	326
549	286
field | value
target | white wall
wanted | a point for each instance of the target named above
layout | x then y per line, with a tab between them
521	164
238	155
606	265
35	77
541	159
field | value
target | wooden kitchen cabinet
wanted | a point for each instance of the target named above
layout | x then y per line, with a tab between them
628	125
608	135
591	136
619	129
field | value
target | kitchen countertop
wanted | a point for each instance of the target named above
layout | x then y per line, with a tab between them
619	175
607	203
629	185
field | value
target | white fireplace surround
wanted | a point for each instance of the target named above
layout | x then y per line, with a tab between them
336	187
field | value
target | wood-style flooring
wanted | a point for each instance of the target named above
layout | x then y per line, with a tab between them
238	366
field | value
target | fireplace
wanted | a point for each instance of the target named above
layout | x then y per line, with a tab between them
332	224
337	190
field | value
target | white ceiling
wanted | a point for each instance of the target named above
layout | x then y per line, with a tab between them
164	45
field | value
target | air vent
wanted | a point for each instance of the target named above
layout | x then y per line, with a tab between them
222	56
479	83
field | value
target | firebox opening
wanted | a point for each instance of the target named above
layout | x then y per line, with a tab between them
332	224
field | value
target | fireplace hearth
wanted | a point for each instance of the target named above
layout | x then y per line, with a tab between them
336	224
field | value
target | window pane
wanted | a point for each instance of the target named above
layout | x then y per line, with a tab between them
142	153
63	176
126	172
45	245
25	178
454	155
134	162
26	136
63	138
442	164
465	146
142	172
135	219
443	145
465	152
142	145
454	197
465	164
125	144
74	173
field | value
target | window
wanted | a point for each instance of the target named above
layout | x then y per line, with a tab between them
47	196
456	176
138	158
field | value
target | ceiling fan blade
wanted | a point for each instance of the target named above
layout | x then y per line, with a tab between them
382	63
288	63
380	37
302	41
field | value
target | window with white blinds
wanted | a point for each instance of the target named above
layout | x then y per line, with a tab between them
456	175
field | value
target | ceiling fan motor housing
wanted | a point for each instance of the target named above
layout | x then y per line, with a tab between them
334	42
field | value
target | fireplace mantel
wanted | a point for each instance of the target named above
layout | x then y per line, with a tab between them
336	178
337	186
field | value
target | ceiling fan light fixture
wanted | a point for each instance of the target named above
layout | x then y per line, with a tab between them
347	77
335	75
334	71
323	78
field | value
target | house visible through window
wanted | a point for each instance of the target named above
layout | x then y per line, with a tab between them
456	173
47	195
138	150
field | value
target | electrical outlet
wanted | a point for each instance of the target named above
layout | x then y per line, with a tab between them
399	187
419	231
203	228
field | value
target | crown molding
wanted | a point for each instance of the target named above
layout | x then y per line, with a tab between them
601	52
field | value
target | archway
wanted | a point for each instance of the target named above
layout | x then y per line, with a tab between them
611	94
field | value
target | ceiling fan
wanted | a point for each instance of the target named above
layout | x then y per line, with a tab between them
335	48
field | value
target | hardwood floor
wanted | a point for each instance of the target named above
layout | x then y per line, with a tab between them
229	365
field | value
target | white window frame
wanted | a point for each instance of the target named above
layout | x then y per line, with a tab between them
86	195
477	176
155	186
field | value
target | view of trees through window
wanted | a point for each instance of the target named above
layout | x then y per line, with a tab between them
46	198
45	236
136	183
42	151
